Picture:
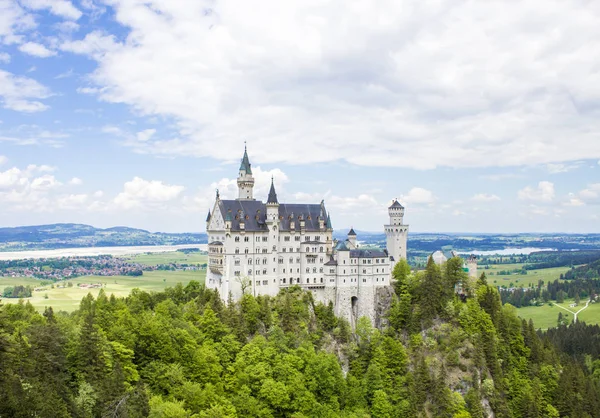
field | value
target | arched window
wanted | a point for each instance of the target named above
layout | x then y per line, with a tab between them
314	269
320	249
308	270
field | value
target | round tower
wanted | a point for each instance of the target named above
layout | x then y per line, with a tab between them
396	233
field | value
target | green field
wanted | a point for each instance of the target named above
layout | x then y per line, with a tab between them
546	316
153	259
67	298
520	280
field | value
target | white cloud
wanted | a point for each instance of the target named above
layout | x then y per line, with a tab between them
317	72
75	181
139	193
543	193
590	194
418	195
485	197
13	21
145	135
37	50
4	57
3	160
61	8
22	93
29	189
72	201
67	26
561	168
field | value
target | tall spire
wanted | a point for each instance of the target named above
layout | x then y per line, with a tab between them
245	165
272	194
208	217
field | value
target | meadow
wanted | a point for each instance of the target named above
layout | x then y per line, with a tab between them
517	279
68	298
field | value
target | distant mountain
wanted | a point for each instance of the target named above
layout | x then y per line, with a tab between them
65	235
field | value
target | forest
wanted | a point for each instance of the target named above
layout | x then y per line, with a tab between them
184	353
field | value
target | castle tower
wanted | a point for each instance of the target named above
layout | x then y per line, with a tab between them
272	205
352	238
396	233
245	180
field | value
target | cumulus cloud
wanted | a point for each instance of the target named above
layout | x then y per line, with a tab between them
138	193
418	196
13	21
543	193
37	50
75	181
22	93
376	77
29	189
485	197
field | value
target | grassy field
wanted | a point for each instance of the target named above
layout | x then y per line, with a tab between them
67	298
520	280
153	259
546	316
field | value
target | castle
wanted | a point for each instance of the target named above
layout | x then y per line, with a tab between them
260	248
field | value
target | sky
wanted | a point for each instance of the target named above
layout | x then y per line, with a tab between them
477	116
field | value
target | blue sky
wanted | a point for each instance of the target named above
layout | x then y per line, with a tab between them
477	116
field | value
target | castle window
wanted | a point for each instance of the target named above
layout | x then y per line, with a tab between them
264	271
307	281
332	270
257	239
237	239
274	248
283	249
284	271
364	271
297	238
320	249
315	280
344	261
246	239
258	272
308	270
291	260
298	260
236	273
321	270
265	282
258	282
377	260
291	250
283	280
317	238
258	261
265	239
280	261
245	250
249	272
236	262
377	270
237	250
321	280
314	269
264	261
321	260
249	261
287	238
307	238
344	271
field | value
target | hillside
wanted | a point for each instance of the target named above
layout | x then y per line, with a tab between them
43	237
183	353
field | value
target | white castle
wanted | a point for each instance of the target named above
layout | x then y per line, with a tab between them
260	248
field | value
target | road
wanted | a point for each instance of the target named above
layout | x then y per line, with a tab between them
574	313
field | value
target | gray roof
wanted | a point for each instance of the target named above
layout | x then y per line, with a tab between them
208	217
272	195
368	253
396	204
256	211
341	246
351	232
215	243
331	262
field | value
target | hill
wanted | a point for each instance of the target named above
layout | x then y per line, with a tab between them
68	235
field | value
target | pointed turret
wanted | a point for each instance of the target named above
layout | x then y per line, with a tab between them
352	238
245	180
208	216
351	232
328	224
272	194
245	165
